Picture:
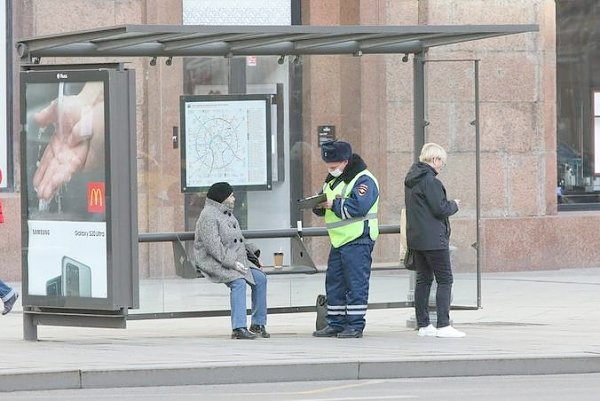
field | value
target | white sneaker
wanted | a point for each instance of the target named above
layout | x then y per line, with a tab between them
449	332
428	331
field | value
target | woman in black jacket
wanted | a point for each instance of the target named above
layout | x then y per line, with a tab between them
428	236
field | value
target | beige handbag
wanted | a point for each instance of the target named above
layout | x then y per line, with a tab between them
403	246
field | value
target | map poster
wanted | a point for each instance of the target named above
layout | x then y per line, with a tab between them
226	138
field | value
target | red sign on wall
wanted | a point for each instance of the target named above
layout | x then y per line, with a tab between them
95	197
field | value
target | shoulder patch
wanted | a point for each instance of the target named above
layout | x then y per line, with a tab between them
362	189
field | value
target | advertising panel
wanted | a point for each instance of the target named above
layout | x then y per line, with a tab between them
226	138
66	211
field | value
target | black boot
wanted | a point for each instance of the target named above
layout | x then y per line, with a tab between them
327	331
242	333
260	330
350	333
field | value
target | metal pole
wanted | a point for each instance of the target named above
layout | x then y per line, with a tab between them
477	184
29	327
418	141
419	104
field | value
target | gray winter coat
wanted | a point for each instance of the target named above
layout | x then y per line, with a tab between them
219	243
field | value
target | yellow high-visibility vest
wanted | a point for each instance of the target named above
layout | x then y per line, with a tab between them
342	231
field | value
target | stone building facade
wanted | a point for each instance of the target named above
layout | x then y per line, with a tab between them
369	100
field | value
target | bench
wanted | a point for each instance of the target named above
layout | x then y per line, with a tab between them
185	268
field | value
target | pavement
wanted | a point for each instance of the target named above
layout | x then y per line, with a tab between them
543	322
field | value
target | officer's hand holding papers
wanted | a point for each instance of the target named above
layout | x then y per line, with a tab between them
312	201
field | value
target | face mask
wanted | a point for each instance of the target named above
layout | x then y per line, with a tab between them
229	203
336	173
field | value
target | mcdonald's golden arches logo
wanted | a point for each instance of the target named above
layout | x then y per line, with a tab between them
95	197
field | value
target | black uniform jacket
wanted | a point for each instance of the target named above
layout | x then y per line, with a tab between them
427	209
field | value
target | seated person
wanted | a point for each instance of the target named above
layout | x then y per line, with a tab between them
221	253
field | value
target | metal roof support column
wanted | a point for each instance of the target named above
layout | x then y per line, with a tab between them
419	103
477	125
418	142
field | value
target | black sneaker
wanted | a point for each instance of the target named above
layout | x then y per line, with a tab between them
242	333
260	330
350	333
9	303
326	331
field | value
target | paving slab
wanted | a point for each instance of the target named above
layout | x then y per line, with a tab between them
531	323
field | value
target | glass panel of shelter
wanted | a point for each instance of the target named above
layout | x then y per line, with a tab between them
373	114
451	118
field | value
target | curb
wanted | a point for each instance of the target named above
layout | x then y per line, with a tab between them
286	371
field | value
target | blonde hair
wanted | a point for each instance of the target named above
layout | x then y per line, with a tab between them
431	151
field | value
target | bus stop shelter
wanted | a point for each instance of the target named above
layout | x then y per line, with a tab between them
294	41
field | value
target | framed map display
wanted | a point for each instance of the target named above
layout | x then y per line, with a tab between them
226	138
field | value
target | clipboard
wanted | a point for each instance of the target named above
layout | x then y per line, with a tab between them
311	201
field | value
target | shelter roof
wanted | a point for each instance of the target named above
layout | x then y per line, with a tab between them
256	40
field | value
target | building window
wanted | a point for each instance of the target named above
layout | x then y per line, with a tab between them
578	80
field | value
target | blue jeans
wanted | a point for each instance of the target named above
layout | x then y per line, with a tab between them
5	291
237	299
429	264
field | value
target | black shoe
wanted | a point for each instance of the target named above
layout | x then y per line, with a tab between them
259	330
326	331
350	333
242	333
9	303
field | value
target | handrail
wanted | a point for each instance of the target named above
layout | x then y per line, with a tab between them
254	234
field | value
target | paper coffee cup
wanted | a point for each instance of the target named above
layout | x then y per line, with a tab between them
278	259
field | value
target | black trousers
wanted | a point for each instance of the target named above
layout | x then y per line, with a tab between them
429	264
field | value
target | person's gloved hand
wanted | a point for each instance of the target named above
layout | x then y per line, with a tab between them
253	258
240	267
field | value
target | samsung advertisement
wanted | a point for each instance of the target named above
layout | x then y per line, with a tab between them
66	118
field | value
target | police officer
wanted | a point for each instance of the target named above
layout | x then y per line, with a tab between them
351	219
